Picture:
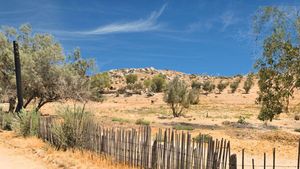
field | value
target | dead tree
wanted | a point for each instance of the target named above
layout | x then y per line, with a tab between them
18	77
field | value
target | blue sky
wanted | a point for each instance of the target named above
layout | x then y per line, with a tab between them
211	37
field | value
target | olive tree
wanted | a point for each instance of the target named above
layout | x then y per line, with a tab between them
47	74
248	83
177	96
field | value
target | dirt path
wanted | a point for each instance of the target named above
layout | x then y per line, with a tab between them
11	159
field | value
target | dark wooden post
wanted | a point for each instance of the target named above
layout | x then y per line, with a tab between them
18	77
243	158
232	162
265	161
252	163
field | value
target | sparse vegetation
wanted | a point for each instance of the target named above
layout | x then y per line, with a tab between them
183	127
142	122
242	120
248	83
177	96
131	78
98	83
121	120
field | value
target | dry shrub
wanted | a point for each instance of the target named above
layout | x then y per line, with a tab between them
26	123
73	129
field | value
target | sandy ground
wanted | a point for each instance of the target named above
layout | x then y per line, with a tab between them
17	152
11	159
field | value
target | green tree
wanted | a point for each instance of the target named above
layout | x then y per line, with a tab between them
46	72
98	83
208	86
177	96
248	83
131	78
279	66
235	84
222	85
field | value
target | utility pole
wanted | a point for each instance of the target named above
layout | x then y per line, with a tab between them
18	77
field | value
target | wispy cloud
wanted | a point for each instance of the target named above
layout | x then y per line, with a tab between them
228	18
140	25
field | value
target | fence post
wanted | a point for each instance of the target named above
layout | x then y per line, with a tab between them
243	158
154	156
252	163
265	160
273	158
232	162
18	77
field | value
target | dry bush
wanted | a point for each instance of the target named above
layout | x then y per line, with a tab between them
73	130
26	123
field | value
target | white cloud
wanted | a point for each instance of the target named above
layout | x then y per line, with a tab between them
228	18
140	25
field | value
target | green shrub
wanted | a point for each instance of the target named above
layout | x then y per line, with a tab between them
6	120
158	83
121	120
147	83
196	85
142	122
73	129
248	83
297	130
194	96
177	96
27	124
203	137
208	86
234	85
183	127
135	86
242	120
222	85
131	78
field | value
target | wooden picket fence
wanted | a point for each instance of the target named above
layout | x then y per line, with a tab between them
167	149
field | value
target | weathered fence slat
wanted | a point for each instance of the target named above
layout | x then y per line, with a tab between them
169	150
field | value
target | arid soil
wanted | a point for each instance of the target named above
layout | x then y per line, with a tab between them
17	152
